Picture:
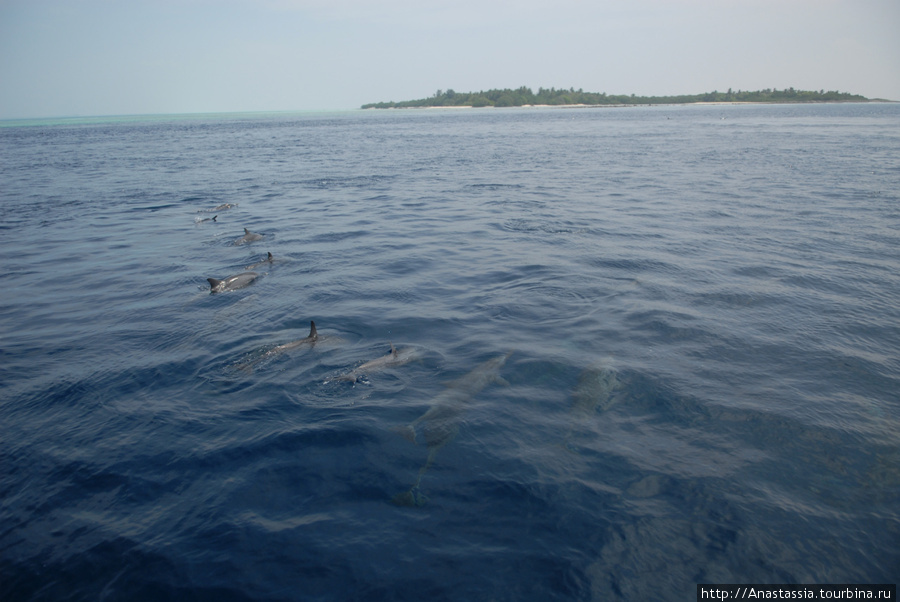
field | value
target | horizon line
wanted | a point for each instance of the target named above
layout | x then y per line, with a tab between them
61	119
115	116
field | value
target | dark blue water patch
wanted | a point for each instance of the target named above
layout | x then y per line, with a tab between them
119	568
524	564
81	481
65	393
267	448
616	572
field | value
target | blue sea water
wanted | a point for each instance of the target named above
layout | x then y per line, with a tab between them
735	268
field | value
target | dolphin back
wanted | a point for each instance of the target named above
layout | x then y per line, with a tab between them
232	282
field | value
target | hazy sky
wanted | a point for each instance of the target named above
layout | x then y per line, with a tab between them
105	57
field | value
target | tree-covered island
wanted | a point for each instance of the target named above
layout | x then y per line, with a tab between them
553	96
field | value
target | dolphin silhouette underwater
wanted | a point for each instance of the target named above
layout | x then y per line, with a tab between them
440	424
308	340
393	359
222	207
248	237
596	390
232	283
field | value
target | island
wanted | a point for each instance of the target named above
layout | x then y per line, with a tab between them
524	96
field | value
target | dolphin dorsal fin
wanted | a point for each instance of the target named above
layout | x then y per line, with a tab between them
393	351
312	330
214	217
269	258
213	282
246	231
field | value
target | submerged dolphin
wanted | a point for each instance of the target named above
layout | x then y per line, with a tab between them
222	207
232	282
248	237
595	390
308	340
391	360
440	424
268	259
207	219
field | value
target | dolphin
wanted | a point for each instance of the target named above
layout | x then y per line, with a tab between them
222	207
207	219
440	424
594	390
248	237
308	340
392	360
232	282
268	259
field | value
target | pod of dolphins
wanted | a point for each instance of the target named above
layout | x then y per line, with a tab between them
438	425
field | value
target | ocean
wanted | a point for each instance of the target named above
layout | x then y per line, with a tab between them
634	349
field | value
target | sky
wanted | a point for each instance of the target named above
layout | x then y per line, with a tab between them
125	57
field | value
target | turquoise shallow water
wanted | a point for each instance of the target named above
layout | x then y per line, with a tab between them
700	304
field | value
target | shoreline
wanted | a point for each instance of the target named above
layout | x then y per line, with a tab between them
661	104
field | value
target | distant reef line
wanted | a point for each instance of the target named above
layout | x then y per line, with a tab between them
560	97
